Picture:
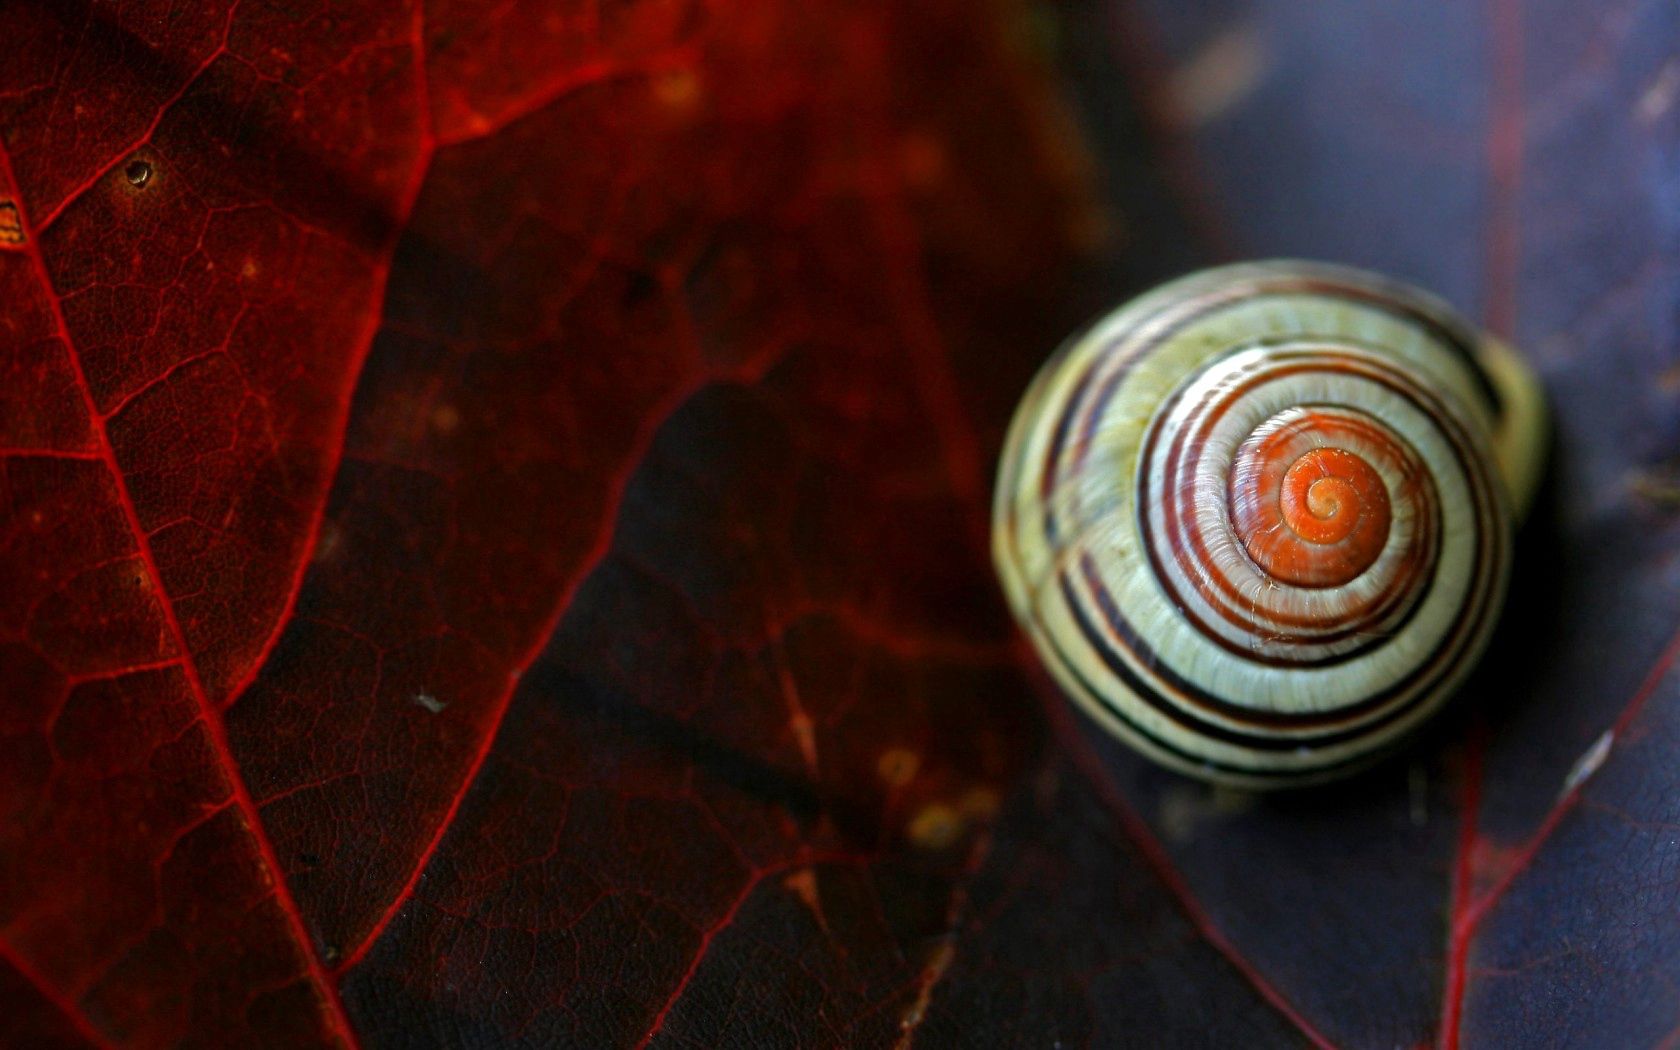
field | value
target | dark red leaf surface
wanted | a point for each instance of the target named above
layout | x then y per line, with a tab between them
492	525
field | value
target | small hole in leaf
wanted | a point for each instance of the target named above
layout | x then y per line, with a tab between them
638	288
138	172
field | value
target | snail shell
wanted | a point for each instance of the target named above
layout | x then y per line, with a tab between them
1258	522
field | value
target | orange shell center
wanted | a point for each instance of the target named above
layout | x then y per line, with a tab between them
1331	520
1328	492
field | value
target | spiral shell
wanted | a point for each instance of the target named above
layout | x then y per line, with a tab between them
1258	522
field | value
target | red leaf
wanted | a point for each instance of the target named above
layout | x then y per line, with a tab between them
493	545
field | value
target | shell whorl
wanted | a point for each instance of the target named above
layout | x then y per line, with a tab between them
1259	521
